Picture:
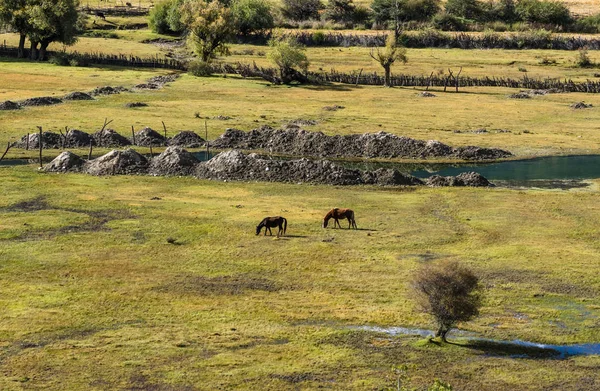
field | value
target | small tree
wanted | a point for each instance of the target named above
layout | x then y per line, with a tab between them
252	16
165	17
210	26
288	55
340	11
301	9
51	21
450	292
388	56
469	9
13	13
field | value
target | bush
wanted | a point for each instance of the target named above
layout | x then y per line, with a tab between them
165	17
468	9
60	59
318	38
544	12
408	10
446	22
301	9
583	59
589	24
252	16
502	10
199	69
339	11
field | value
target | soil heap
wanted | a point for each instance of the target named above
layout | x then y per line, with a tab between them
49	141
173	161
234	165
109	138
465	179
107	90
66	161
118	162
78	139
148	137
9	105
41	101
299	142
188	139
581	105
135	104
78	96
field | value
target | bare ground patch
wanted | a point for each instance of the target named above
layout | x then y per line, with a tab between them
222	285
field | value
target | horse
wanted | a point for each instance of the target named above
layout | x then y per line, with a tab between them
100	15
271	222
336	214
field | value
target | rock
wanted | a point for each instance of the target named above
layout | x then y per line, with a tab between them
149	137
173	161
477	153
581	105
41	101
520	95
78	139
65	162
135	104
472	179
187	139
49	141
109	138
9	105
78	96
117	162
427	94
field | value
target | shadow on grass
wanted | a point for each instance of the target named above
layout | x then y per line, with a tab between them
516	349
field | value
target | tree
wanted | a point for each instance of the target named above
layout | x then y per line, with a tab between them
51	21
301	9
450	292
340	11
252	16
288	55
165	17
388	56
209	25
469	9
13	13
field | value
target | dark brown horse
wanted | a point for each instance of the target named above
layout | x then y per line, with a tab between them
337	214
271	222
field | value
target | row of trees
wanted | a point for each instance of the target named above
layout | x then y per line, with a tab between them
42	22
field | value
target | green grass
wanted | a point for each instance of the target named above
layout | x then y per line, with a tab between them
94	297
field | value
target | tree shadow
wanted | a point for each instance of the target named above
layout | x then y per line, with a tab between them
508	349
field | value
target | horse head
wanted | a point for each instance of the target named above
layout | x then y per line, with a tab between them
258	228
325	221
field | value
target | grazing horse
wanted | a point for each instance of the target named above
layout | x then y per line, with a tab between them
336	214
100	15
271	222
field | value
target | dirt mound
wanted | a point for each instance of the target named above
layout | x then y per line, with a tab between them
173	161
581	105
520	95
118	162
426	94
78	96
78	139
41	101
465	179
163	79
66	161
333	108
135	104
107	90
109	138
147	86
302	122
234	165
9	105
188	139
299	142
147	137
49	141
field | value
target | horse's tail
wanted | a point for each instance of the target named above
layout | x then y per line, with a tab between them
284	224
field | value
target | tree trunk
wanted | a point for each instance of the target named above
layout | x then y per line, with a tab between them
43	47
442	331
386	79
33	55
21	50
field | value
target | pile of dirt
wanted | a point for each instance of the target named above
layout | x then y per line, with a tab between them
520	95
41	101
426	94
147	86
173	161
78	96
9	105
333	108
108	138
222	117
581	105
135	104
107	90
164	79
187	139
234	165
78	139
118	162
302	122
49	141
149	137
299	142
472	179
65	162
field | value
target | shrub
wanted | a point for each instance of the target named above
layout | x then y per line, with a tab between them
165	17
547	61
252	16
447	22
502	10
288	55
589	24
339	11
408	10
199	69
543	11
583	59
318	38
60	59
301	9
468	9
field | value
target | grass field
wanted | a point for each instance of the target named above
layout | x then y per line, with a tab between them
94	297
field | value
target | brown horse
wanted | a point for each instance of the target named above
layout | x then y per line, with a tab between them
272	222
336	214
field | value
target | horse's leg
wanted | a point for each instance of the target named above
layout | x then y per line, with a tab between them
270	232
279	230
